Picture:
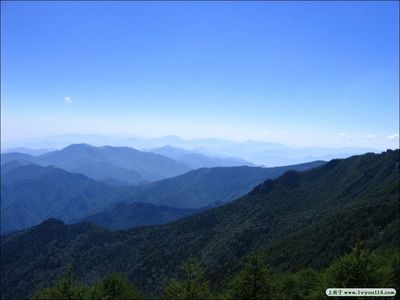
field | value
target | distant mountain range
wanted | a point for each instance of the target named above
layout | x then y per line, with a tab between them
32	193
29	151
197	160
301	219
257	152
123	164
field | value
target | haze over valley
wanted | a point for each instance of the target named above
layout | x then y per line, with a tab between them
217	151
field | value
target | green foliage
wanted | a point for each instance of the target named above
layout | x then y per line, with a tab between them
299	285
394	273
254	282
67	288
44	294
359	269
112	287
115	286
191	287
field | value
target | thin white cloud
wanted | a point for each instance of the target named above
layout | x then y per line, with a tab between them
68	100
369	136
345	136
393	137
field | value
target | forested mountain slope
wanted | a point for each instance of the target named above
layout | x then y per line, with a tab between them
32	193
129	215
207	186
300	219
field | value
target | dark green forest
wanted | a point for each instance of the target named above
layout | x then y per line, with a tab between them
337	224
254	281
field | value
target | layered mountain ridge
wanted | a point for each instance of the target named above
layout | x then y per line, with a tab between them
300	219
102	163
32	193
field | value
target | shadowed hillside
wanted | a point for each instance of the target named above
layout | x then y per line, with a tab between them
207	186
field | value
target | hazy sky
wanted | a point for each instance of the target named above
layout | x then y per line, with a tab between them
311	73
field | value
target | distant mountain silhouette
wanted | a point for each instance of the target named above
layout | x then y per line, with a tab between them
197	160
11	165
122	164
265	153
29	151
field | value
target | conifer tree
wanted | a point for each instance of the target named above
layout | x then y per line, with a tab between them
253	282
192	287
115	287
66	288
357	269
395	273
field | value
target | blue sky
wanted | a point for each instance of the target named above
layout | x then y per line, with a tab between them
301	73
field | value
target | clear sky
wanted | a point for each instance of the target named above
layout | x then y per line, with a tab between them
301	73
